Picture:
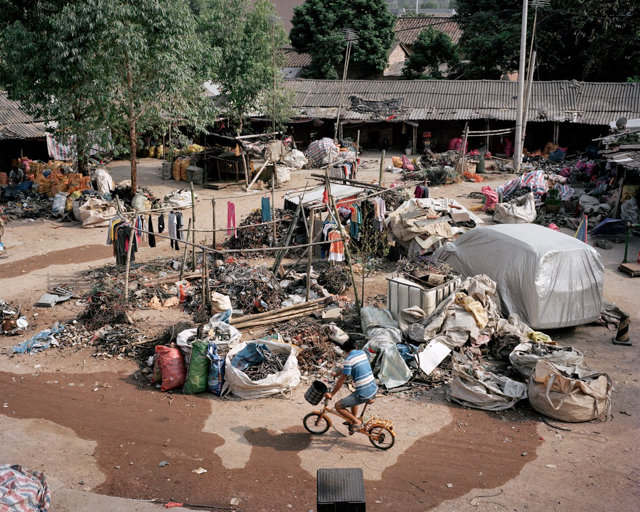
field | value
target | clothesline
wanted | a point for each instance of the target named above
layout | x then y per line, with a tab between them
231	251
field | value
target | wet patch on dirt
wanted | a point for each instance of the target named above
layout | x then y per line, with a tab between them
136	427
80	254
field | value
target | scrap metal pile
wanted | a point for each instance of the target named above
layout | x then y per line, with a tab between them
252	289
273	363
259	236
336	279
311	336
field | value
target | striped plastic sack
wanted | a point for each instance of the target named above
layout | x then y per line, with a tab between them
22	490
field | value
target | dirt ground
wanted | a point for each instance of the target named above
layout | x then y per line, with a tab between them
99	430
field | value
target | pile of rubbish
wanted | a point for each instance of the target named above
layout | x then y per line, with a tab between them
252	289
467	331
259	236
422	225
336	280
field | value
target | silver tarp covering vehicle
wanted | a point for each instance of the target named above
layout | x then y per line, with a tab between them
550	279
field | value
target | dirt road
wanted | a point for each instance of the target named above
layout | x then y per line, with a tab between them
99	431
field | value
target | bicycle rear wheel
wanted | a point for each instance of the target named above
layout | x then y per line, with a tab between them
381	438
316	423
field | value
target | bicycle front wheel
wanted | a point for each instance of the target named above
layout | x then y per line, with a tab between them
316	423
381	438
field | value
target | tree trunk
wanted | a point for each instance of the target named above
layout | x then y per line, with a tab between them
133	145
133	149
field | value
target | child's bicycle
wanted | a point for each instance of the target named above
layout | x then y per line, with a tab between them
380	432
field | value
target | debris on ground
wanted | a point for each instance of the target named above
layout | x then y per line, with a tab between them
336	279
261	236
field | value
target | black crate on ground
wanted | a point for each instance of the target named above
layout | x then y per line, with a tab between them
341	490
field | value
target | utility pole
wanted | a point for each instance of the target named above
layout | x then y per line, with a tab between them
273	21
351	36
517	154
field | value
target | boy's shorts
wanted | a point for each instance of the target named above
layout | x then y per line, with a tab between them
352	400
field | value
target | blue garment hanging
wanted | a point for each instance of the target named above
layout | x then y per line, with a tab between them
266	209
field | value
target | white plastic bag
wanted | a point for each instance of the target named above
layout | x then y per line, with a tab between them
518	211
275	384
59	202
295	159
220	302
104	181
184	339
283	174
229	331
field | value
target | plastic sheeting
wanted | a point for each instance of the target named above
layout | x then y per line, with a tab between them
549	279
383	333
473	387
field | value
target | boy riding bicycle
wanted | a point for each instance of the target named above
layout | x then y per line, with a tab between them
356	365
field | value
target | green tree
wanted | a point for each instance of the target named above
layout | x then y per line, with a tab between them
51	82
584	39
317	26
242	40
431	49
115	65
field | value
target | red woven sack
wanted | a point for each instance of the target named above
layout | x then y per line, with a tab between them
172	367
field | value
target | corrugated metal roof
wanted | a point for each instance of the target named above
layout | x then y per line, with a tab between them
408	29
16	124
565	101
293	59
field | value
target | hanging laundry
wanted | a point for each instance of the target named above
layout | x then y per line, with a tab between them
161	223
380	210
266	209
336	250
356	220
421	192
174	226
231	219
152	237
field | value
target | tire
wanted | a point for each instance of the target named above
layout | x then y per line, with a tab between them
316	423
381	438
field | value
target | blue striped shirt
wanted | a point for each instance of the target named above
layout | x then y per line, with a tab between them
357	366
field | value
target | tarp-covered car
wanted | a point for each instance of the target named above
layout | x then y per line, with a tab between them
550	279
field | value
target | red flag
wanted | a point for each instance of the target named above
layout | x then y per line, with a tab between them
325	197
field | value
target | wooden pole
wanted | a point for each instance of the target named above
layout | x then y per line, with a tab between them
213	211
309	228
128	267
273	204
255	178
184	254
463	147
355	165
244	166
204	281
193	231
287	239
381	168
415	140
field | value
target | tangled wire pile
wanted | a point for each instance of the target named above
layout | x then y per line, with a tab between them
273	363
423	265
335	279
105	305
251	289
256	236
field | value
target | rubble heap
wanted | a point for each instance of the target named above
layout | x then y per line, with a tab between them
257	237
